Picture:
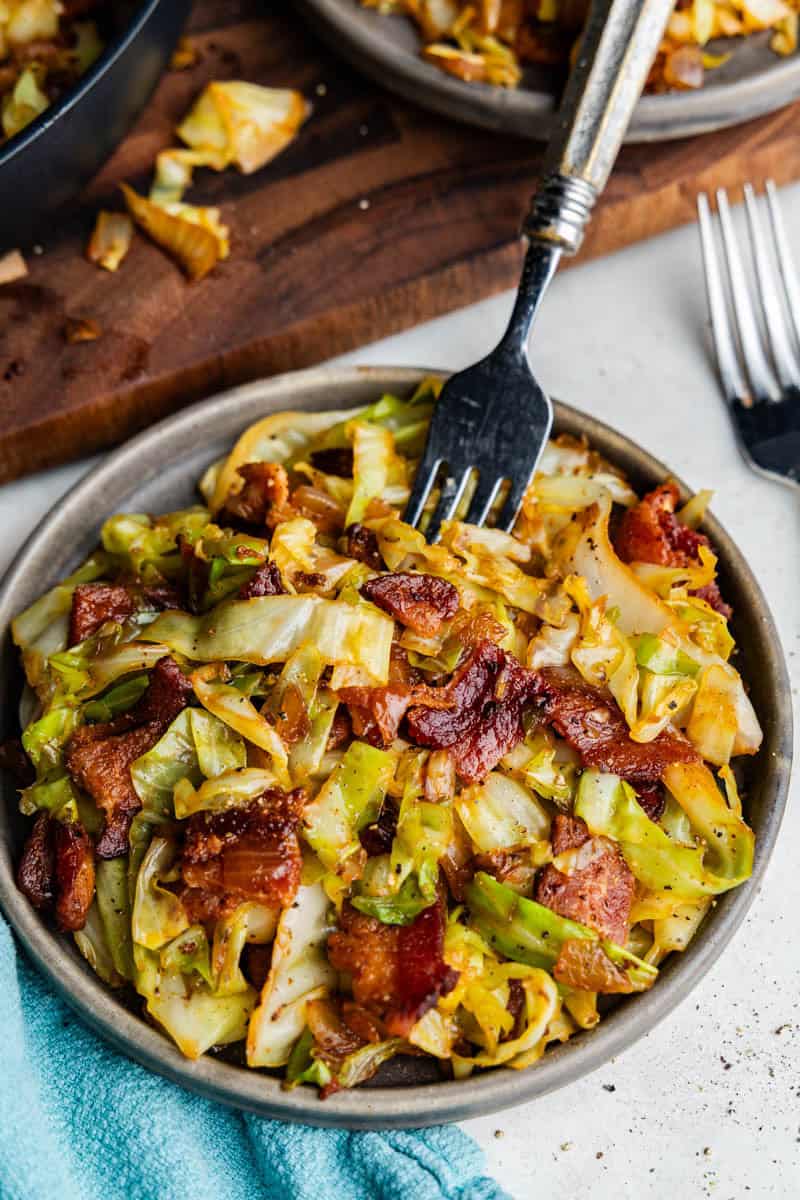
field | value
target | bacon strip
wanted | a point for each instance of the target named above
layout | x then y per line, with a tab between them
56	871
95	603
422	602
99	757
592	722
397	969
599	894
250	853
487	696
651	533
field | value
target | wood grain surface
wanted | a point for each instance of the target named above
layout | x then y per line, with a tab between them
379	216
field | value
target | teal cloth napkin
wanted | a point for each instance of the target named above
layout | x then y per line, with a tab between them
80	1122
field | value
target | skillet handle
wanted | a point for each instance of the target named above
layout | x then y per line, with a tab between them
614	56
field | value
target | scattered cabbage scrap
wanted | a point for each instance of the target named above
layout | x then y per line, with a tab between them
194	236
370	796
110	240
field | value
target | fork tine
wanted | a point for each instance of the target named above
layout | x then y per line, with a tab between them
762	378
783	355
513	503
451	493
786	264
423	482
733	382
483	499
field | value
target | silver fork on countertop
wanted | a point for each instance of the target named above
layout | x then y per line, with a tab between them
493	418
763	391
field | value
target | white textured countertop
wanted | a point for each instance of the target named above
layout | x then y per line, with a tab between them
709	1103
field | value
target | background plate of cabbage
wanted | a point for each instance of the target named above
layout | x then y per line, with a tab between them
496	1001
502	66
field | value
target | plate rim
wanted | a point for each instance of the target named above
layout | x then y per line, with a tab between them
528	113
379	1107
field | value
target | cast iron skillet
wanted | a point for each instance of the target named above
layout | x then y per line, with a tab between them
55	156
157	471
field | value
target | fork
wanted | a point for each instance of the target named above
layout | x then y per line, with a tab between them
494	418
764	397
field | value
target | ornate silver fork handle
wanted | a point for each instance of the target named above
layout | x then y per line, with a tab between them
494	418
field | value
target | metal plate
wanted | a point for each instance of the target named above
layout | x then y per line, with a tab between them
754	81
158	471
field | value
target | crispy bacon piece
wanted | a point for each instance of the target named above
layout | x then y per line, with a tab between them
598	894
422	602
56	870
513	867
266	487
266	582
378	837
99	757
292	722
95	603
337	460
585	965
376	712
592	722
74	867
364	1024
362	544
36	870
488	695
251	853
424	975
341	729
568	833
397	969
99	762
652	798
368	951
651	533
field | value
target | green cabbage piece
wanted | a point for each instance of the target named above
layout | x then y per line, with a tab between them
269	629
527	932
500	813
376	895
118	699
113	902
189	953
148	546
658	656
300	972
349	800
721	859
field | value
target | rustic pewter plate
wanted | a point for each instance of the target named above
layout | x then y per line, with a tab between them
753	82
157	471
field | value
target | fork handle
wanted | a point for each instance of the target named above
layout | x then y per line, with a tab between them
615	53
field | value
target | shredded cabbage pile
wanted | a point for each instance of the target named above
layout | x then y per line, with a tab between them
492	42
283	855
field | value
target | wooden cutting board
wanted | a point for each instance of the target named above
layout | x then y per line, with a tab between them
378	217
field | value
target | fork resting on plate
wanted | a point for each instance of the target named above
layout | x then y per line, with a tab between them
494	418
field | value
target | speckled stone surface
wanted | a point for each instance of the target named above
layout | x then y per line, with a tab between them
709	1103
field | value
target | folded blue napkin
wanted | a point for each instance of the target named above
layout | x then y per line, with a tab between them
80	1122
